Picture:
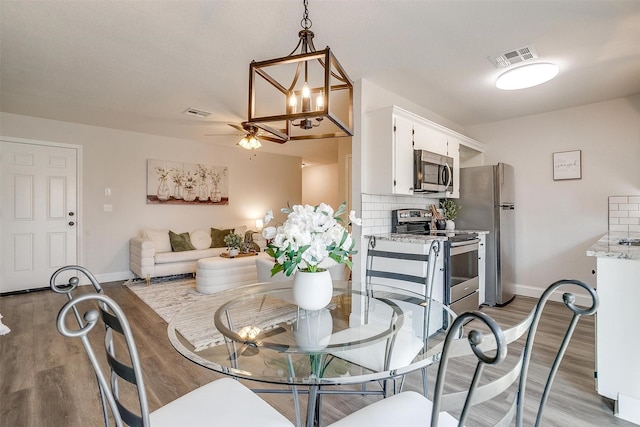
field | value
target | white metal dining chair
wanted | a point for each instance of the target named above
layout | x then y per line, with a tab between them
225	402
413	280
413	409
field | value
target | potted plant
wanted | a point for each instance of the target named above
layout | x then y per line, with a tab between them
450	210
234	243
306	243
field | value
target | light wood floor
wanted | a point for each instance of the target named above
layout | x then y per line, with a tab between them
45	380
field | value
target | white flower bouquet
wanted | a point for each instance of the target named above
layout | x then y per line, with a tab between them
309	237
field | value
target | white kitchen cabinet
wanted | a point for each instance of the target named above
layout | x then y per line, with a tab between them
429	138
388	134
617	343
391	134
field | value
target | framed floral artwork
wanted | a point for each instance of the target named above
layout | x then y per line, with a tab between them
567	165
186	183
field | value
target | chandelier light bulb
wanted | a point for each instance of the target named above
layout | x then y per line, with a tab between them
320	102
527	76
293	102
306	93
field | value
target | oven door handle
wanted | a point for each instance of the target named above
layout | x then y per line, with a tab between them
465	246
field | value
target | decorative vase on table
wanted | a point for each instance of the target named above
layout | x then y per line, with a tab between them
312	291
450	225
233	252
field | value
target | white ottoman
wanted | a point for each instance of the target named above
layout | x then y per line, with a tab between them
216	274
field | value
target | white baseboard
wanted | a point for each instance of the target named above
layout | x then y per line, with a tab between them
108	277
534	292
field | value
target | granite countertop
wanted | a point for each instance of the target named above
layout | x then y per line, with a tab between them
419	238
608	246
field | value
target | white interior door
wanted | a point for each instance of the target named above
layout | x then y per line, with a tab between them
39	213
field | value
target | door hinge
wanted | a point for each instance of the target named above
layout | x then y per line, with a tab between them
394	182
595	374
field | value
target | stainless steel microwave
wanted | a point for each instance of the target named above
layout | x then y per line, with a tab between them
432	172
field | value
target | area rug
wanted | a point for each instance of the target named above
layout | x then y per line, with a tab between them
168	297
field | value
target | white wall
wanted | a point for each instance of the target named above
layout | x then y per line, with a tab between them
557	221
320	185
117	159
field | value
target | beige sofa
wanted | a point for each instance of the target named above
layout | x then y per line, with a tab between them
151	254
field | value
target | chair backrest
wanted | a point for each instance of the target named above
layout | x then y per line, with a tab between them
497	343
121	355
68	288
387	270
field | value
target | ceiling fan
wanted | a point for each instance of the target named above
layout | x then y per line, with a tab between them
252	135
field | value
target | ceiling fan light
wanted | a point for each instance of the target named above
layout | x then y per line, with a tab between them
527	76
250	142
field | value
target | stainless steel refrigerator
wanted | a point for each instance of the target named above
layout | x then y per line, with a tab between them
487	196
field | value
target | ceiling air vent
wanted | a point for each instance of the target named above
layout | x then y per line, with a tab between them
514	57
197	113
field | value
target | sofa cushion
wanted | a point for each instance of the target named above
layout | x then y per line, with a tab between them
217	237
201	239
180	242
177	257
160	239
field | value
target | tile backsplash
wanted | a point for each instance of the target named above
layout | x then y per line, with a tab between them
624	213
376	210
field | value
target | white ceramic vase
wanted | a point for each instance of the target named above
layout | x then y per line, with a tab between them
312	291
234	252
450	225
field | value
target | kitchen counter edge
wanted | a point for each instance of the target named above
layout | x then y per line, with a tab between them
415	238
608	247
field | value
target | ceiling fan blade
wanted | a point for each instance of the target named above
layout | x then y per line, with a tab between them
237	126
272	332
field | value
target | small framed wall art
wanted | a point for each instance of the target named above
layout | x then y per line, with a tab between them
567	165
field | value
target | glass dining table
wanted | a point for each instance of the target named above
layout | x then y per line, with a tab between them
256	332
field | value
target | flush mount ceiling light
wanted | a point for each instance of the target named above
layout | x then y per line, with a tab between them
527	76
305	95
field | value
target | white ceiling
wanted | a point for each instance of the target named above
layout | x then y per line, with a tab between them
136	65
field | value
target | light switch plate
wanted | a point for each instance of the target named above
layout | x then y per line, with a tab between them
107	191
108	208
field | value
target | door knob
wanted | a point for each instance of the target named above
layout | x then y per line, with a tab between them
71	214
72	223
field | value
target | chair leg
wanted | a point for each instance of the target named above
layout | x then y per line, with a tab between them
425	382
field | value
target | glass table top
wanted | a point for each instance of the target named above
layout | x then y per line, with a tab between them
256	332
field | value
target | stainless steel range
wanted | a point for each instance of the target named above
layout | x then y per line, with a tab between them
461	284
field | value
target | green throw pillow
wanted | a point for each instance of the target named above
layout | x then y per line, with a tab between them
217	237
180	242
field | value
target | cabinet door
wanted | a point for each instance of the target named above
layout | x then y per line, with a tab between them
430	139
403	156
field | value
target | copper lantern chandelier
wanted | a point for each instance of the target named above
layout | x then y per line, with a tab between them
305	95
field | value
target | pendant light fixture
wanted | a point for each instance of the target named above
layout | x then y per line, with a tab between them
304	95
